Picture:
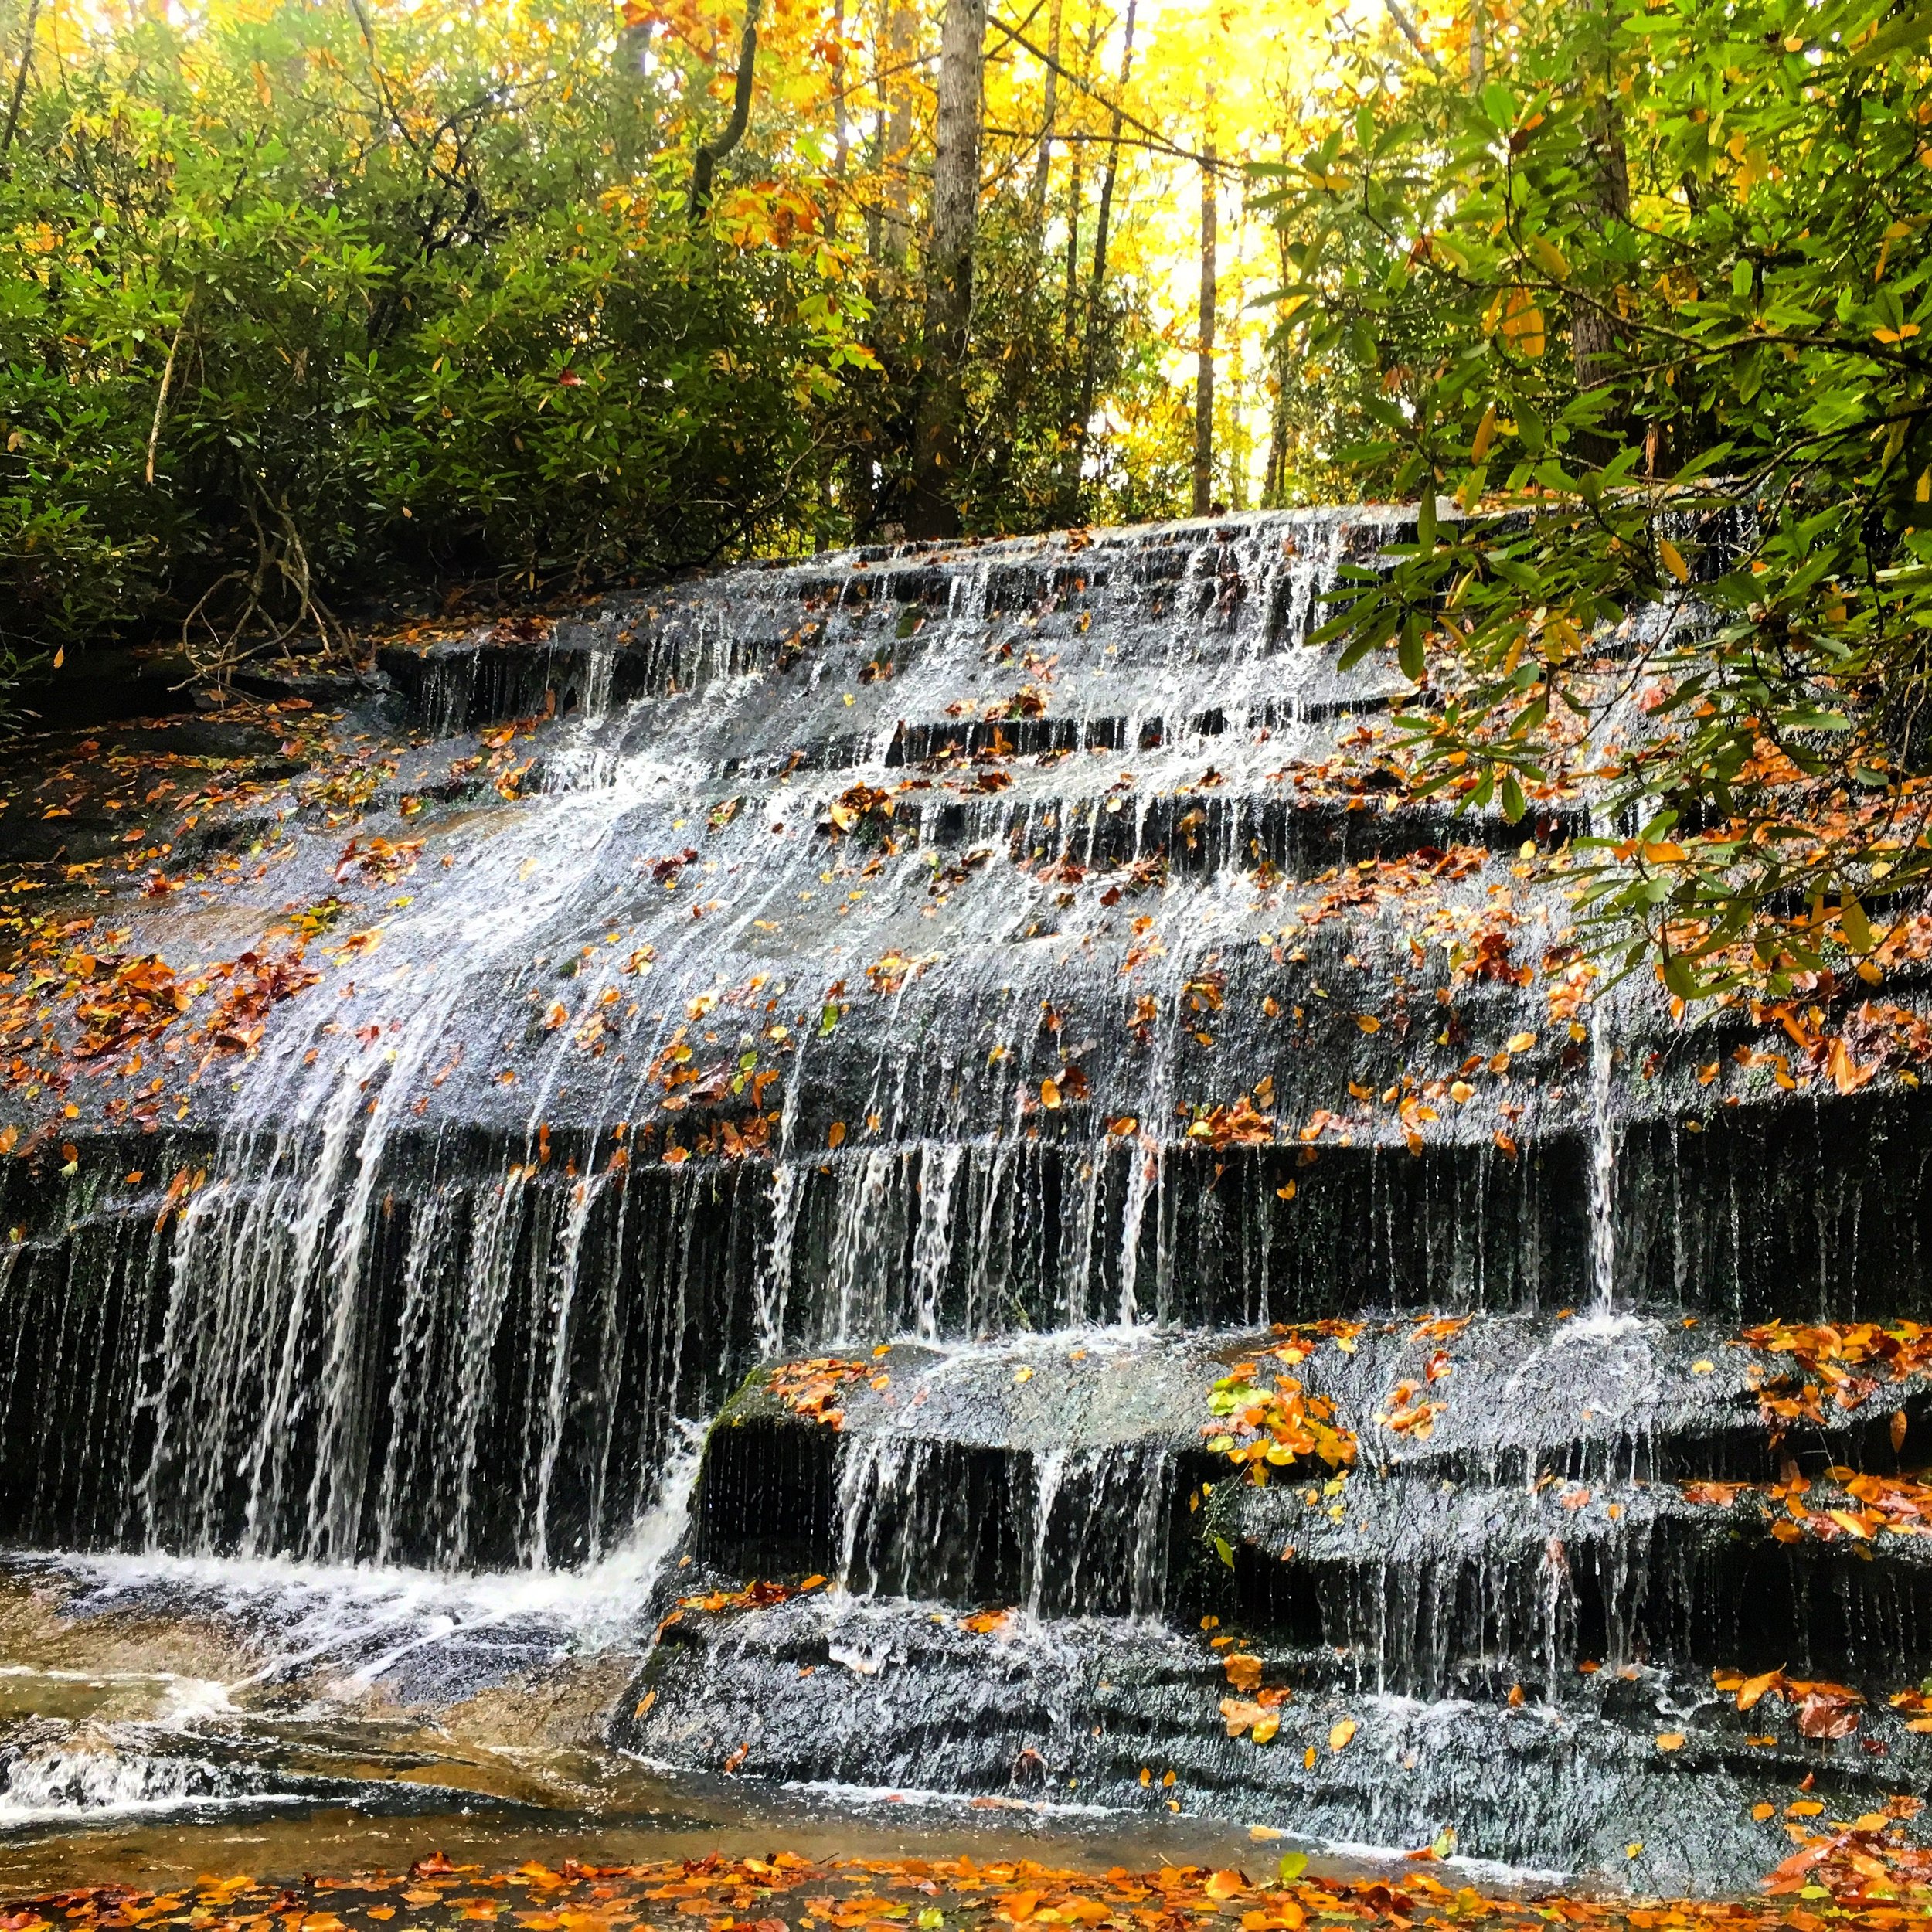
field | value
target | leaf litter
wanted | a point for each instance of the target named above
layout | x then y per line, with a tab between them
1859	1873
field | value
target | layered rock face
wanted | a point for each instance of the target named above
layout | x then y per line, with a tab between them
1015	976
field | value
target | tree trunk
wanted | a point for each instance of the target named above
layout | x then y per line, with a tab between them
1036	195
949	269
711	152
1275	486
901	38
1096	285
26	67
1606	171
1076	152
1478	50
1073	246
1204	353
840	135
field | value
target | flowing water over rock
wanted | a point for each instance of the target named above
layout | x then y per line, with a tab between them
1015	975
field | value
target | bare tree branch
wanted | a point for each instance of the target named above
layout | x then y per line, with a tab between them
20	78
1409	33
167	383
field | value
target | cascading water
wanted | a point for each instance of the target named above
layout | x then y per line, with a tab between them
1011	986
1603	1166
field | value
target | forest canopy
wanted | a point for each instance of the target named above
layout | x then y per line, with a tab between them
313	304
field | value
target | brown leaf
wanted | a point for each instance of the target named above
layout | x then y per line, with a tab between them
1244	1672
1823	1715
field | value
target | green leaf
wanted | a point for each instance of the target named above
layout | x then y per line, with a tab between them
1854	925
1903	33
1410	653
1292	1865
1225	1550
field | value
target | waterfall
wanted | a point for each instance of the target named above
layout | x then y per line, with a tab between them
1006	987
1603	1164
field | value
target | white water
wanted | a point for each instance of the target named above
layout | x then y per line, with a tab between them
1602	1169
341	1633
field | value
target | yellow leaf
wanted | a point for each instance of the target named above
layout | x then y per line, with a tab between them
1022	1374
1673	559
1049	1094
1549	257
1368	1022
1224	1884
1340	1732
1670	1741
1521	325
1486	434
835	1136
1522	1042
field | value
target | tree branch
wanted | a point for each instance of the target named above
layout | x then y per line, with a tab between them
167	383
1155	137
704	168
20	78
1409	33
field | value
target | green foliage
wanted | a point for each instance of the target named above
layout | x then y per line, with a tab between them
1638	322
288	315
1023	467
